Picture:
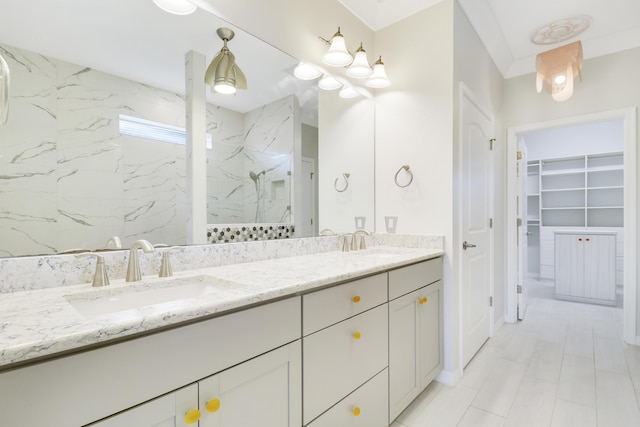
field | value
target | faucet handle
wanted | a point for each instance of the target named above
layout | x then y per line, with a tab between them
100	277
345	243
165	265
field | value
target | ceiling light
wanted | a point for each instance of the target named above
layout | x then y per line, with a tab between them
556	69
329	83
348	92
337	55
306	72
360	66
379	77
177	7
223	75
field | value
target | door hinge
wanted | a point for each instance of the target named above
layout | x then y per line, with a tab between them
519	289
490	222
491	142
490	301
519	155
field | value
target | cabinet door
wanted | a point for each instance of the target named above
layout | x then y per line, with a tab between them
430	333
265	391
569	264
169	410
404	357
600	266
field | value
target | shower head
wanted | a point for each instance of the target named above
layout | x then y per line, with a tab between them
255	176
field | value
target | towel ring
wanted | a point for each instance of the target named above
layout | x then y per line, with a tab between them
346	176
406	168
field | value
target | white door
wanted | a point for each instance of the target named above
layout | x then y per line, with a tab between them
521	224
309	220
476	260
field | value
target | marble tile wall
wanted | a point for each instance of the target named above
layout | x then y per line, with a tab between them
39	272
69	180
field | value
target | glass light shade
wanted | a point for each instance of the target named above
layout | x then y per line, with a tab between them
360	66
329	83
177	7
337	55
348	92
378	79
224	88
306	72
556	70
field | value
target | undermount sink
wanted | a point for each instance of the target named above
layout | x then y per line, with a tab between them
136	296
381	252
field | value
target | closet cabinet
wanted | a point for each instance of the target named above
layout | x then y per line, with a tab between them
415	332
585	267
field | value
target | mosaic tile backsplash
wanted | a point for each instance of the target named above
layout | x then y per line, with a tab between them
221	233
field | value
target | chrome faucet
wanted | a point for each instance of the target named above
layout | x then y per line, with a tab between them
133	269
100	277
354	241
327	232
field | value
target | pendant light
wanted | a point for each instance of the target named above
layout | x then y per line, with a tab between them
378	79
223	75
177	7
337	55
556	69
359	68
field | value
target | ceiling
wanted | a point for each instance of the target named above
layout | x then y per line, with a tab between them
505	26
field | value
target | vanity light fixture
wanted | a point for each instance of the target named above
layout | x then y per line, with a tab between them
378	79
556	69
223	75
177	7
359	68
306	72
329	83
337	55
348	92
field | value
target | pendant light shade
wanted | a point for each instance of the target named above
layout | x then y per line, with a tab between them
337	55
378	79
348	92
557	68
329	83
177	7
360	66
306	72
223	75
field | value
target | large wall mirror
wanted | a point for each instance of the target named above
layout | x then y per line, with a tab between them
72	173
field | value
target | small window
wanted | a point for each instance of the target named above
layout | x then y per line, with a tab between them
157	131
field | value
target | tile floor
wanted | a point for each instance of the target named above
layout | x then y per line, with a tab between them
565	365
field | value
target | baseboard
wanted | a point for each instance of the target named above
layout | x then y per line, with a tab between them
498	323
448	377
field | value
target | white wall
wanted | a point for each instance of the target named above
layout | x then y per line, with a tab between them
609	83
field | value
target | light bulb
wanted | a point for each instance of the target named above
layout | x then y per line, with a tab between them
224	88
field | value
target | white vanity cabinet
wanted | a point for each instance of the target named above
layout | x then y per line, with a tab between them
585	267
345	346
265	391
415	331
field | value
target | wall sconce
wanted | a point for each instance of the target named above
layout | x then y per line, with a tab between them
337	55
223	75
177	7
359	68
379	77
556	69
4	90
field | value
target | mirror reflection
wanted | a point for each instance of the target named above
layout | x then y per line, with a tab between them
70	178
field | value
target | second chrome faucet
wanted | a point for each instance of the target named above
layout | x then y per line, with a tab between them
133	269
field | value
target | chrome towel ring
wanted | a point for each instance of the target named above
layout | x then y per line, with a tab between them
346	176
408	170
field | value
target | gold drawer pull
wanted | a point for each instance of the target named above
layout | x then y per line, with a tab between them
356	335
192	417
423	300
356	299
356	411
213	405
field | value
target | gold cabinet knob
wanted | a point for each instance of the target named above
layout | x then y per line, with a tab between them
213	405
423	300
356	299
192	417
356	411
356	335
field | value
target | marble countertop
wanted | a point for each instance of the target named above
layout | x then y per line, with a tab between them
41	323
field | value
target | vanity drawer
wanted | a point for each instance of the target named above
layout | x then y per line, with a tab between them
408	279
336	361
328	306
365	407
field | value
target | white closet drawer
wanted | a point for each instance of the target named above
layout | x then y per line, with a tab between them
339	359
408	279
328	306
365	407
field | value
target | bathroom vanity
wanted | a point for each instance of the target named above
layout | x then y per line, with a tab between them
320	340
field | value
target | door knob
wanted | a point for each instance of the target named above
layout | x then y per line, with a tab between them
466	245
529	233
